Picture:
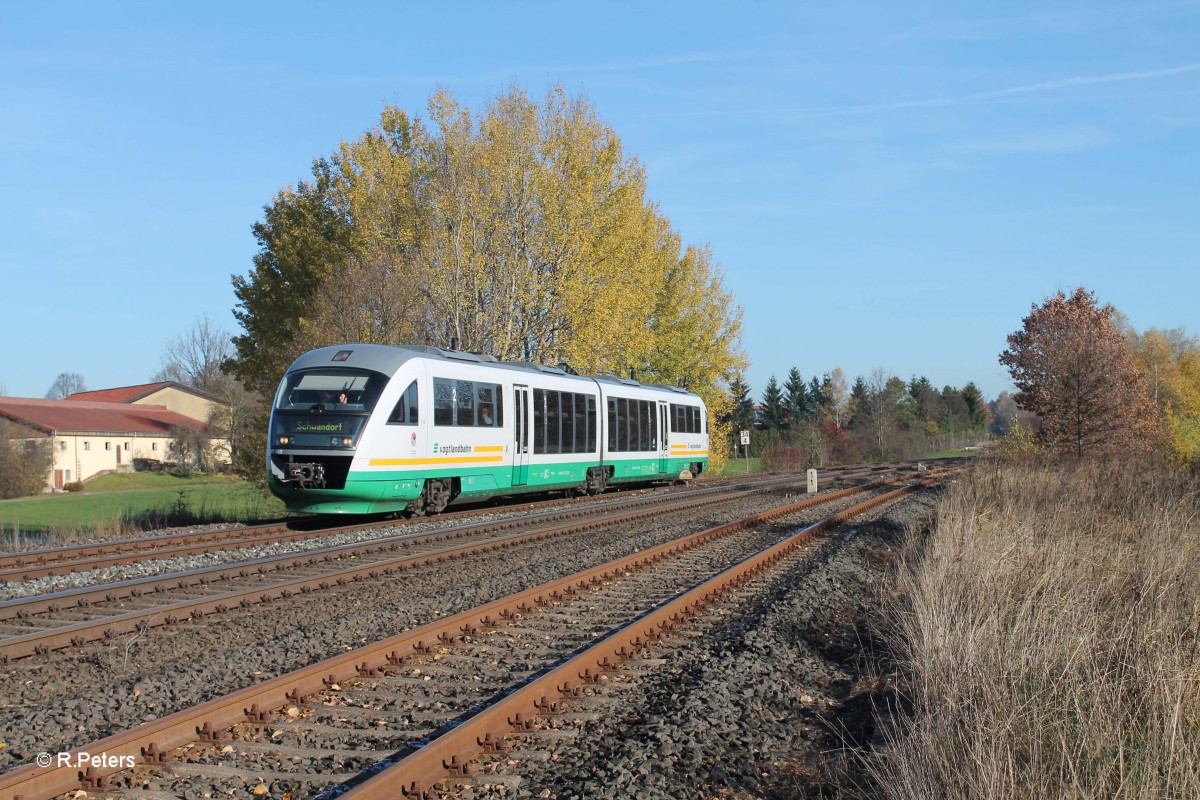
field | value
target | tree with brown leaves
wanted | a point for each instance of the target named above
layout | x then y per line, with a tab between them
1071	366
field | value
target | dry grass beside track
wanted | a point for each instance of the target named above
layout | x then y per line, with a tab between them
1046	634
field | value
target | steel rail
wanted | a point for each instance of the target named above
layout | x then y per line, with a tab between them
76	634
29	564
150	741
79	633
416	774
134	587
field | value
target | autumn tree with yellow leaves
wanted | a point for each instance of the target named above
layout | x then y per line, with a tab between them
522	230
1170	362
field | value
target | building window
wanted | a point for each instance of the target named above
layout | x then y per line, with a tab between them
62	445
127	447
67	473
154	445
87	445
108	445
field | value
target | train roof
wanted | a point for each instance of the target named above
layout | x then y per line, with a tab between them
389	358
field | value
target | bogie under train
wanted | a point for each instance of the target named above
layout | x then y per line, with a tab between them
360	429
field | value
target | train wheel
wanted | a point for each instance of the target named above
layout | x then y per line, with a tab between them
436	496
597	480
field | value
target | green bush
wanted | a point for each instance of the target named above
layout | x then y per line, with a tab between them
73	486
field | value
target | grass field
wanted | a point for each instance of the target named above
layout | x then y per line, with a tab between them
124	503
1046	638
737	466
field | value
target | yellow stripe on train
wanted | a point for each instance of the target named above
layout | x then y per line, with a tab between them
433	462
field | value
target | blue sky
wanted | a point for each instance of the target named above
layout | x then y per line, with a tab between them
884	184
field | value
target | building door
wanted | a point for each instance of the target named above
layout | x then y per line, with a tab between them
58	479
521	435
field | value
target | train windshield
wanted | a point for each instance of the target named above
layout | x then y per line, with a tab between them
322	390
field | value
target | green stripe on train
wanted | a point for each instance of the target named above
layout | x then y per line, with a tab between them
386	491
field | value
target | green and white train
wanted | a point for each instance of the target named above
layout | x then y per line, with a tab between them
365	429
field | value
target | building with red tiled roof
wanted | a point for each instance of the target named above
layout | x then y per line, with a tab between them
89	438
186	400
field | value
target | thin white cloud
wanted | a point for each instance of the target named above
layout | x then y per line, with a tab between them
1091	80
994	94
973	97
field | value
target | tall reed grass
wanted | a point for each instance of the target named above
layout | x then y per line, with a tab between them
1047	639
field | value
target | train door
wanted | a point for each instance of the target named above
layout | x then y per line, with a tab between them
664	450
523	410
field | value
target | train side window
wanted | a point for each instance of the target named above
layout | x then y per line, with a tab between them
622	424
646	418
581	424
443	402
591	416
566	412
487	406
653	409
635	425
612	424
695	426
552	423
405	412
464	402
539	420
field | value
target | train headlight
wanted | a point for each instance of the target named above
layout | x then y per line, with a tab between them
284	440
347	442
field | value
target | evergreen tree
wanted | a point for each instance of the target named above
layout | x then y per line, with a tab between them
955	416
977	411
858	401
924	407
741	410
816	404
772	401
302	237
795	397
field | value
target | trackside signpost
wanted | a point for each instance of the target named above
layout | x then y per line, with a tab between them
746	447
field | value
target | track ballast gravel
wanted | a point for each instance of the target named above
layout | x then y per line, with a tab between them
74	697
759	701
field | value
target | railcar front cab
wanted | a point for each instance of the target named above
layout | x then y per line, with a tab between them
316	424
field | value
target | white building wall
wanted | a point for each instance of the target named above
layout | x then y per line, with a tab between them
81	456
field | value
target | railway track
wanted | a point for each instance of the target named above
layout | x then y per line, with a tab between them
471	676
27	565
40	624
